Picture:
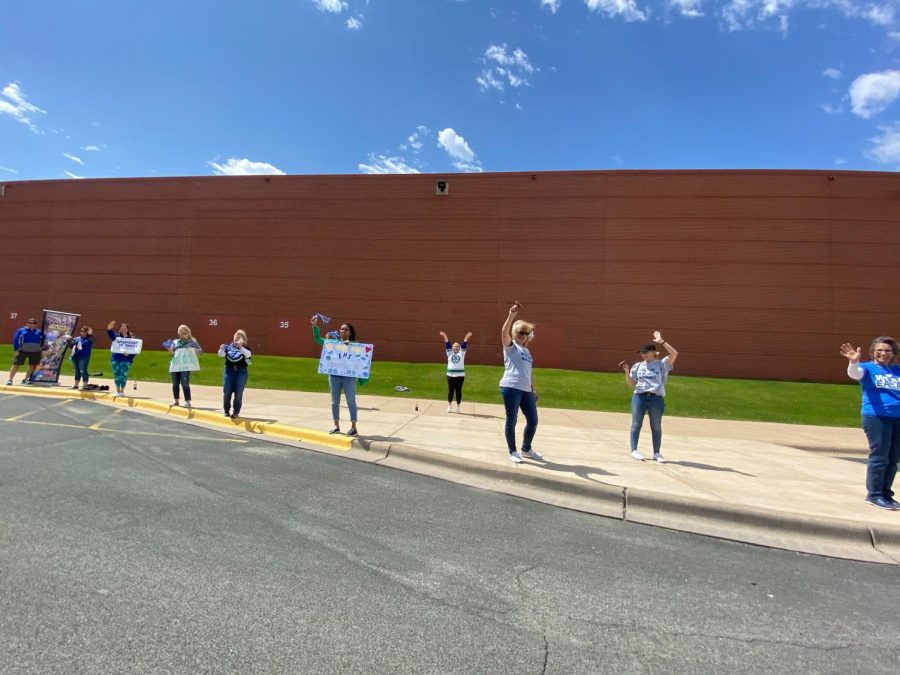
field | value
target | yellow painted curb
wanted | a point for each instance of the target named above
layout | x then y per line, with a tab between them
252	426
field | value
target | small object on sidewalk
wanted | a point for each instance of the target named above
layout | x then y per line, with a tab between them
638	456
400	387
417	407
135	385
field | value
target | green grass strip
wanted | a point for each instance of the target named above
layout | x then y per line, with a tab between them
713	398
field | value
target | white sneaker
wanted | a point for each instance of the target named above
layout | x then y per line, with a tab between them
638	456
187	404
659	458
174	404
9	383
449	408
458	408
515	457
533	454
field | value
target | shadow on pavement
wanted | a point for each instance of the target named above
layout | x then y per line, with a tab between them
709	467
579	470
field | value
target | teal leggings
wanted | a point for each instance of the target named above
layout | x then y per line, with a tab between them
120	373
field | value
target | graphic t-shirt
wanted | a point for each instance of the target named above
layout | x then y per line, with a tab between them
456	362
650	376
516	368
880	390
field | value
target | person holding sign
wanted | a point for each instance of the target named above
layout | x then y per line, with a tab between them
121	361
517	386
456	368
28	342
184	350
237	358
338	383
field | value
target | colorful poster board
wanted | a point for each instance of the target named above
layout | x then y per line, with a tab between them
58	328
351	359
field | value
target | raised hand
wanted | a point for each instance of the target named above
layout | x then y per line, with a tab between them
850	352
443	335
515	308
624	366
314	320
657	337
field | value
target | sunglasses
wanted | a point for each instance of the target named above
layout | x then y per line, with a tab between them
523	333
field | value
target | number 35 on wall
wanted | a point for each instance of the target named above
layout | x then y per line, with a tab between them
284	324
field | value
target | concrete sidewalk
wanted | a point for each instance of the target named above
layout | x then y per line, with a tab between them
794	487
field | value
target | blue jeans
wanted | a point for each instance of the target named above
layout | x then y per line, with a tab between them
513	401
81	369
234	383
884	453
184	379
348	384
653	405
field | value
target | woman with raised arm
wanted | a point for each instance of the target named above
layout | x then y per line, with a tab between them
339	383
880	383
121	363
517	384
456	368
184	350
648	379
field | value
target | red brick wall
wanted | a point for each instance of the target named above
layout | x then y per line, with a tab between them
748	273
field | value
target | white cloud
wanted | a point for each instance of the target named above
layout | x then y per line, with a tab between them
354	23
414	140
687	8
7	169
75	159
17	106
840	161
72	175
552	5
244	167
741	14
894	35
504	67
91	148
385	164
459	150
627	9
832	109
833	73
880	15
873	92
335	6
886	148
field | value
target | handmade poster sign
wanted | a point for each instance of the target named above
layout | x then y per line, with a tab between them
348	359
125	345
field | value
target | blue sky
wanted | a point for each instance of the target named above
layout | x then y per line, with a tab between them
106	88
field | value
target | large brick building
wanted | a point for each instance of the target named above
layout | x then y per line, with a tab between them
748	273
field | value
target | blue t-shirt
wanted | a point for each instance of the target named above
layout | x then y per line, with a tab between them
651	376
880	390
516	368
81	349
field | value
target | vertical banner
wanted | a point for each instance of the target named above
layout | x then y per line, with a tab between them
58	328
353	359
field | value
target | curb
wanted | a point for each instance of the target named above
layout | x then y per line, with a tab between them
764	527
292	433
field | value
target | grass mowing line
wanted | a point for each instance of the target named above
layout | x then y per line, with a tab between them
714	398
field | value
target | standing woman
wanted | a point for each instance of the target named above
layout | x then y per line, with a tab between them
237	358
121	363
184	350
339	383
456	368
517	385
81	355
880	382
648	379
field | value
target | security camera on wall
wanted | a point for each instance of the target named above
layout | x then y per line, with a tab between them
442	188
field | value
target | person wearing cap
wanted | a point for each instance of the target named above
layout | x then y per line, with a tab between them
27	343
648	379
517	385
879	380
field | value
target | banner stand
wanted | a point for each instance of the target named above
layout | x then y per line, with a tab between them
58	329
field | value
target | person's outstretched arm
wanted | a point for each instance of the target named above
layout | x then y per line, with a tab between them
670	350
506	329
628	379
852	354
317	336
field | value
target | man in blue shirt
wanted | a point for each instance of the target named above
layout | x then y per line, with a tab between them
27	344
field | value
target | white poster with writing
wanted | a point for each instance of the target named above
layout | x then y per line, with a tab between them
125	345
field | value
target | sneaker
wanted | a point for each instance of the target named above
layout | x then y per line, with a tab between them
227	414
75	386
27	382
638	456
174	403
533	454
896	504
187	404
353	432
235	415
449	408
882	503
118	394
336	430
659	458
515	457
458	409
9	383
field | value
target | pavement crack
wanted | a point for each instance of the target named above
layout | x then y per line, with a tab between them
519	575
546	653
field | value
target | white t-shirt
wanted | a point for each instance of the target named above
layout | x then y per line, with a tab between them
650	376
456	363
516	368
